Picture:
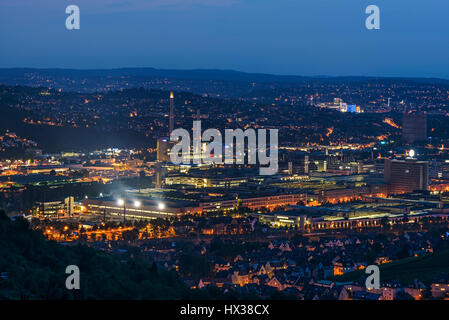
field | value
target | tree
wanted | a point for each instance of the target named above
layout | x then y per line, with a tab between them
401	295
194	265
35	268
405	219
384	222
131	235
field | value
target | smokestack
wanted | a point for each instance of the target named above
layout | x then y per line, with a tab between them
172	114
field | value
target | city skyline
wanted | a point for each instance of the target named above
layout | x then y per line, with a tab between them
360	186
227	156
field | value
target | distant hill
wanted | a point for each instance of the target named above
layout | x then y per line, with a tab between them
195	74
56	139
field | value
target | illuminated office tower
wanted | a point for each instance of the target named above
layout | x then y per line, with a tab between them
158	180
290	168
69	204
172	114
351	108
407	175
414	128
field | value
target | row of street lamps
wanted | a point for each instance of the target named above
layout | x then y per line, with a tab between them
137	204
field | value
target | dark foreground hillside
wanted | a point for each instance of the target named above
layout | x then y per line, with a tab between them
425	268
34	268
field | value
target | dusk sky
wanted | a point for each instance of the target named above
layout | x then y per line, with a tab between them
301	37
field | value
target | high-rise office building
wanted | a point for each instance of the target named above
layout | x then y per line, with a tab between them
407	175
298	163
414	128
163	150
158	176
69	205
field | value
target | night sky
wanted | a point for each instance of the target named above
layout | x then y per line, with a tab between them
301	37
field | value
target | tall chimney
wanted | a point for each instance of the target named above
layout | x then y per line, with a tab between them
172	114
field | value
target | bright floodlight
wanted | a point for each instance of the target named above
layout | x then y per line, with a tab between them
161	206
137	204
411	153
121	202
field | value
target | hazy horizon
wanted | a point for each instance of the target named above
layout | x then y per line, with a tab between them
306	38
228	70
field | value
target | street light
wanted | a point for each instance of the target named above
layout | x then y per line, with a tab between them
121	202
137	203
161	206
